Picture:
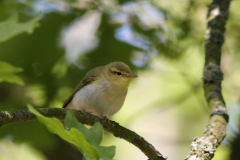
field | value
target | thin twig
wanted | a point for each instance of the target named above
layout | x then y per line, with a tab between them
7	117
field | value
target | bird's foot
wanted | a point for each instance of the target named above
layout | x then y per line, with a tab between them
87	111
105	118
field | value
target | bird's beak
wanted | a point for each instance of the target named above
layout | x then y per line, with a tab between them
131	76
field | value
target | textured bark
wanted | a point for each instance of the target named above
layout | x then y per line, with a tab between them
7	117
203	148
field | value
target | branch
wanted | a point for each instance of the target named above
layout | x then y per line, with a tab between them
203	148
7	117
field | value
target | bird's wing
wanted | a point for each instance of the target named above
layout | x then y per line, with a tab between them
89	78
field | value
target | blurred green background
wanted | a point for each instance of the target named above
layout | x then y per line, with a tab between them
161	41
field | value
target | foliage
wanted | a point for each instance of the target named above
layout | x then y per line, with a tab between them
8	29
86	140
7	73
92	135
11	28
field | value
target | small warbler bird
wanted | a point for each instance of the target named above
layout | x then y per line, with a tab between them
103	90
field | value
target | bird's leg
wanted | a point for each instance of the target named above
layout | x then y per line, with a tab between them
105	118
87	111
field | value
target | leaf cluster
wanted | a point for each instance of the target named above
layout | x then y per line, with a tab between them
86	140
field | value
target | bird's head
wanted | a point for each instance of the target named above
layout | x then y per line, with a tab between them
119	74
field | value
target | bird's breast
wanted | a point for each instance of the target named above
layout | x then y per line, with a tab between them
99	99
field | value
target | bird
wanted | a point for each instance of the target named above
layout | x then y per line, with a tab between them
103	90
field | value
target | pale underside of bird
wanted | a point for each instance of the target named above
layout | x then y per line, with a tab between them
103	90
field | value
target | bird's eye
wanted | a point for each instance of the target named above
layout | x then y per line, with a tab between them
119	73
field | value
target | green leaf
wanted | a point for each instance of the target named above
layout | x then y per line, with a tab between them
7	73
92	135
73	136
11	28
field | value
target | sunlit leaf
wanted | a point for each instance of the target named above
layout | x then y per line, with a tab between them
10	28
73	136
7	73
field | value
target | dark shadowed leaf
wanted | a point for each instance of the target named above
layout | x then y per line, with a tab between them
92	135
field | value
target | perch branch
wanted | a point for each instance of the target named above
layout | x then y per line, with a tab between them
7	117
203	148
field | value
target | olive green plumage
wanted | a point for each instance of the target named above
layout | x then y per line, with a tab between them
103	89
